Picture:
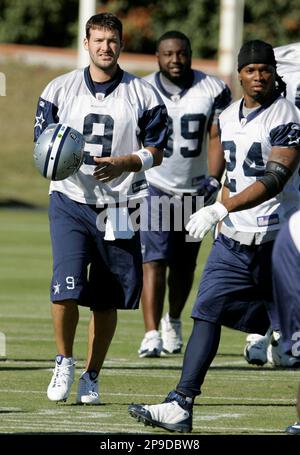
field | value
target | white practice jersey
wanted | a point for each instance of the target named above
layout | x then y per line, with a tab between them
247	144
190	113
122	120
288	67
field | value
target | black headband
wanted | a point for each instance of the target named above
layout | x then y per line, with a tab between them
256	51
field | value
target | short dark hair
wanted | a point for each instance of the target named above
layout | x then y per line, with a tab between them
174	34
104	20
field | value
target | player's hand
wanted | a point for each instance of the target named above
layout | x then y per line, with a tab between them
108	168
203	220
209	189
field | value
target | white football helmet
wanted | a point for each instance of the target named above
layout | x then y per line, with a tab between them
58	152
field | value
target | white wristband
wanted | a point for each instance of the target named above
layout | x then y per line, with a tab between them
146	158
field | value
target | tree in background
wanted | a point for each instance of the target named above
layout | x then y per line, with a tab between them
44	23
198	19
278	23
54	23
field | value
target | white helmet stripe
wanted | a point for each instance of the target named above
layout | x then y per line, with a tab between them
54	151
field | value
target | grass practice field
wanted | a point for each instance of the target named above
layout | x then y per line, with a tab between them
237	399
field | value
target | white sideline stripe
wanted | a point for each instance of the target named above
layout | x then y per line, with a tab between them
72	419
270	374
147	374
287	400
229	429
217	416
100	431
74	425
102	415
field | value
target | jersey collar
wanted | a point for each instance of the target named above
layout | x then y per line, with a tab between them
113	83
170	95
252	115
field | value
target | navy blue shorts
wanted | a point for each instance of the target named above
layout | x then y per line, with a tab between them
97	273
163	236
286	280
236	286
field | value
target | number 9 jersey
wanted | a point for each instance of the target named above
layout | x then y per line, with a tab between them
118	121
190	114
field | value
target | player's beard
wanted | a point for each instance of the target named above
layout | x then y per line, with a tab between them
105	66
180	80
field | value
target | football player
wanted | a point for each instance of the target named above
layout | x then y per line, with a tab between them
124	124
193	164
261	349
260	134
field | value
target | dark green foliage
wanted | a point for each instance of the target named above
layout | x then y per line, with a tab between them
276	22
54	23
45	23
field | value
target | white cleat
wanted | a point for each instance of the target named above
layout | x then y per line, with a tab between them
171	335
62	379
174	414
87	391
151	345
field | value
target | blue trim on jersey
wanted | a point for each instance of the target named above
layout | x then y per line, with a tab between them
154	126
287	135
261	108
46	113
168	95
106	87
222	100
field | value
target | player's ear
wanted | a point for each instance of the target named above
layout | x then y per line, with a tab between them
122	44
86	43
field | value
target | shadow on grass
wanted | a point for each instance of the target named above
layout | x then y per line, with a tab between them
17	204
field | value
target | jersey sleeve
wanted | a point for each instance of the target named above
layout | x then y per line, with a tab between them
47	111
153	126
222	100
153	121
287	135
285	132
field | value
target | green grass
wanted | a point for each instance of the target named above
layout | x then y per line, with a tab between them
236	399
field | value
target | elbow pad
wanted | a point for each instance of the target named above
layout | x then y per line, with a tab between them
275	177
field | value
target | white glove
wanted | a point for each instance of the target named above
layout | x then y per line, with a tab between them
204	219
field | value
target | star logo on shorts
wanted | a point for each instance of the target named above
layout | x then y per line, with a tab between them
56	288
